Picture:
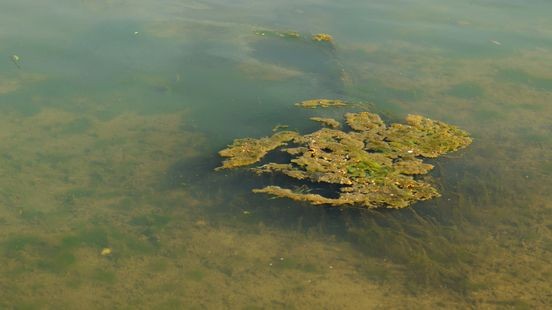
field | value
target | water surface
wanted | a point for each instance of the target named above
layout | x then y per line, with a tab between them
110	128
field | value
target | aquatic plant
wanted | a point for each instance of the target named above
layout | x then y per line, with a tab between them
281	34
318	37
329	122
323	103
322	37
373	165
248	151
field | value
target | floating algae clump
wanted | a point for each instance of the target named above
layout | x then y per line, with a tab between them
281	34
248	151
329	122
318	37
373	165
322	37
323	103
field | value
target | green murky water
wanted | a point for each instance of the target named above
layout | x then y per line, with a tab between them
112	115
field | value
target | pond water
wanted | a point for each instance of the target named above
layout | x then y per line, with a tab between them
113	111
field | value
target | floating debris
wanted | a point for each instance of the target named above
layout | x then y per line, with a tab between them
329	122
495	42
323	103
106	252
322	37
16	59
373	165
319	37
281	34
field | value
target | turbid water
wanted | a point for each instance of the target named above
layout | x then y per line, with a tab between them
113	111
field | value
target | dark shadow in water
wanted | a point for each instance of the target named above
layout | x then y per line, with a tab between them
193	171
318	59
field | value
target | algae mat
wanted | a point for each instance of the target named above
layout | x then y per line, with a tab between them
373	164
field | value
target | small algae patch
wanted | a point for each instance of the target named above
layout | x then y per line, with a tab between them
318	37
248	151
322	37
322	103
106	252
373	165
281	34
329	122
279	127
364	121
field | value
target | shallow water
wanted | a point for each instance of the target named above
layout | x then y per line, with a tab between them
111	124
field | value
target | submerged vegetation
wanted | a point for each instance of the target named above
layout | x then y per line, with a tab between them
281	34
329	122
373	165
318	37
